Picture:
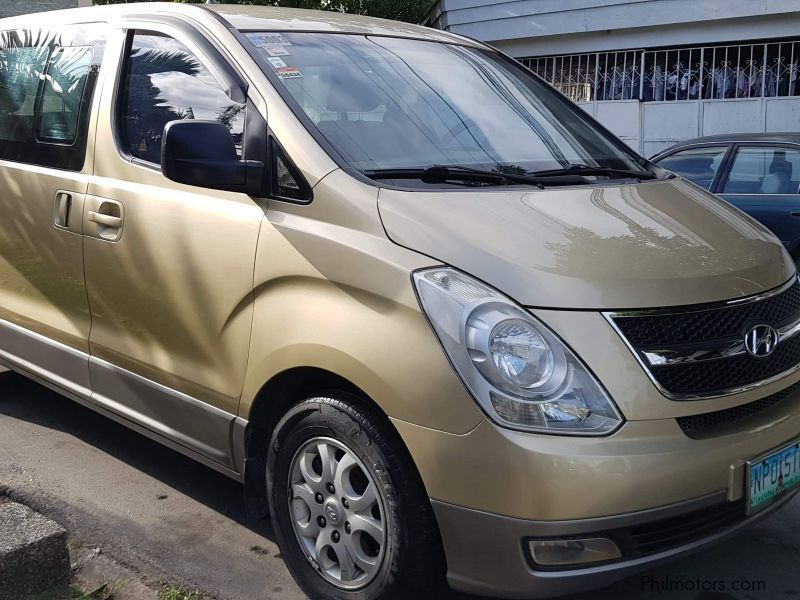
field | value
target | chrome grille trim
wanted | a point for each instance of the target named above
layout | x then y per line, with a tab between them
714	350
724	348
677	310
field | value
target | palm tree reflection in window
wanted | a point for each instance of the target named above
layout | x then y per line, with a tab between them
65	80
169	84
45	90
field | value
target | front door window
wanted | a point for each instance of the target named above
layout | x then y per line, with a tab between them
166	82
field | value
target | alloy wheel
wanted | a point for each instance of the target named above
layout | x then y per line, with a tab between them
338	513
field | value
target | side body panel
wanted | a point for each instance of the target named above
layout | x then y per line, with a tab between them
44	312
170	293
41	266
42	291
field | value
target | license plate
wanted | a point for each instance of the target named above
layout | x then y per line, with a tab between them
772	476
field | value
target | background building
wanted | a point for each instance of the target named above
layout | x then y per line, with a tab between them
654	71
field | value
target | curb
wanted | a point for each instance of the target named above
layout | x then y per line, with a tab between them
34	560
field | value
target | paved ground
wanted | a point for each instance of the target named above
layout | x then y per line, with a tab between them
156	515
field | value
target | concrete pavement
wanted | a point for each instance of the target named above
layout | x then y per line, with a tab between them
151	509
165	517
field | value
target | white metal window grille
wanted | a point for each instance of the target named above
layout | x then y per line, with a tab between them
753	70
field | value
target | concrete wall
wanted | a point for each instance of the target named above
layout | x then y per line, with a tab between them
649	127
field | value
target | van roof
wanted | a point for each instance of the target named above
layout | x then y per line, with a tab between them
265	18
252	18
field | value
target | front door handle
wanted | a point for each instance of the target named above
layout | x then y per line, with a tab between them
107	220
104	219
795	213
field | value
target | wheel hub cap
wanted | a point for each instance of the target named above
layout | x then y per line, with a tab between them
338	513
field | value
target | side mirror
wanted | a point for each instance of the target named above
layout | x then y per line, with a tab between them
203	154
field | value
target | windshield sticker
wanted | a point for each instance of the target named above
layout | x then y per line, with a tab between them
275	50
276	62
268	39
289	73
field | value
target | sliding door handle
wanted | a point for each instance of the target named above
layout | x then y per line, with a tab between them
107	220
63	204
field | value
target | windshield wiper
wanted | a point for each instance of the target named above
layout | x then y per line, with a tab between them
587	170
442	174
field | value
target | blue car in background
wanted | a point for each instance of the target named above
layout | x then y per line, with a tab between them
757	173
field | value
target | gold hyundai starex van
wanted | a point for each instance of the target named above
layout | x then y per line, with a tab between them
442	325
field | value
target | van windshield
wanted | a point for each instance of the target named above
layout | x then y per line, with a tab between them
391	104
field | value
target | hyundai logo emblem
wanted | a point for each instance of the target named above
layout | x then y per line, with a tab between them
760	341
332	512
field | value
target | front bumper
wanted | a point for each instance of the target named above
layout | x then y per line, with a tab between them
487	553
519	486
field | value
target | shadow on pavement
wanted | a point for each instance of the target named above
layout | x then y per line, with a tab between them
203	484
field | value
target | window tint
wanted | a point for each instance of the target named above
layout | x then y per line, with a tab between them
698	165
764	170
64	85
166	82
287	182
46	84
20	69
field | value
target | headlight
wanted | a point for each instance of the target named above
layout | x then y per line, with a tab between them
520	373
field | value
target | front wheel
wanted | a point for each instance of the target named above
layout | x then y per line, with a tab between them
352	518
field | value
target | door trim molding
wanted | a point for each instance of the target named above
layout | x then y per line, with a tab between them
164	410
230	427
18	345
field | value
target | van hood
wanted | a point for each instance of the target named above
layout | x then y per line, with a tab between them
654	244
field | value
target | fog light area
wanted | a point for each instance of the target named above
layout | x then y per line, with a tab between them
559	553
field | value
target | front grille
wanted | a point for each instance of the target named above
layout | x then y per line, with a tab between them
692	333
737	371
697	425
709	324
684	529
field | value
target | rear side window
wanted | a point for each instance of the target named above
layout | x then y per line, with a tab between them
764	170
698	165
165	82
64	87
47	81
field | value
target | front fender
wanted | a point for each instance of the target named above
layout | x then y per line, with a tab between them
341	299
392	355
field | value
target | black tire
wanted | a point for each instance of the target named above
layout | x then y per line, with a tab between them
413	563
